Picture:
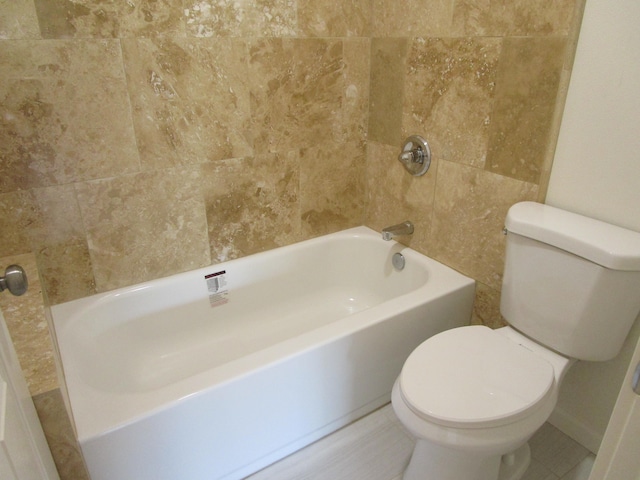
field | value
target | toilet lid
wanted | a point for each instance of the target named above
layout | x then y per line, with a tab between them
474	377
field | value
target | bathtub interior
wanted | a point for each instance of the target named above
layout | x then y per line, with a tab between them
149	336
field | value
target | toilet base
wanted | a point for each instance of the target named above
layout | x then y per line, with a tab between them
434	462
513	465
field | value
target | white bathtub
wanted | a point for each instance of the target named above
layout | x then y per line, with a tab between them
186	378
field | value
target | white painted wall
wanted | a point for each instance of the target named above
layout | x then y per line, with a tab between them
596	169
596	172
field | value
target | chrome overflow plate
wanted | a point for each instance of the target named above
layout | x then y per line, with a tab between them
398	261
415	155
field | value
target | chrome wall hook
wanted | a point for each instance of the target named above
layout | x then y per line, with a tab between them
415	155
14	280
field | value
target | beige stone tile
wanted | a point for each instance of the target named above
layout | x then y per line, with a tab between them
190	99
384	183
60	436
64	113
47	222
394	195
241	18
66	270
327	18
144	226
332	183
18	19
59	219
512	17
388	69
59	240
100	19
412	18
526	92
252	204
468	217
449	89
297	93
28	327
18	211
486	307
356	87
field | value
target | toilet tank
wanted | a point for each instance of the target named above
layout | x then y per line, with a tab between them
570	282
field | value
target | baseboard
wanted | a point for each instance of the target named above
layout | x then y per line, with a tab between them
578	431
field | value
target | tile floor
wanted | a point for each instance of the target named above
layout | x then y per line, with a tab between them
377	448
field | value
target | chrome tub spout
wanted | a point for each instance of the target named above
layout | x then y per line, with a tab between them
404	228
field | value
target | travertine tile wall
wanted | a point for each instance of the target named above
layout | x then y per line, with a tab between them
27	325
482	81
140	139
143	138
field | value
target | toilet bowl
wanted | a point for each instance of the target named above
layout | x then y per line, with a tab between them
472	397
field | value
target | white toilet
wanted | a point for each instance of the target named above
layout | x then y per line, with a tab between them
473	396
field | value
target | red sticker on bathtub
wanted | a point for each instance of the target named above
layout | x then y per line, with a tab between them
217	288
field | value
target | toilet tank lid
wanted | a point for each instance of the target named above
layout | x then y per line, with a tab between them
607	245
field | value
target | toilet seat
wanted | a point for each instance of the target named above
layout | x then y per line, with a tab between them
473	377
